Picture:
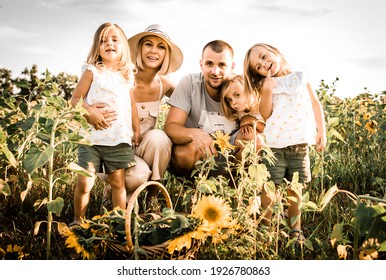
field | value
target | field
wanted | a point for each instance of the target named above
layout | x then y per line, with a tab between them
343	208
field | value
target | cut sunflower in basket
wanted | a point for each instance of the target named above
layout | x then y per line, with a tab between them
211	216
93	238
215	221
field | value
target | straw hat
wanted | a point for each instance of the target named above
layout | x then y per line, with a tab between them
176	56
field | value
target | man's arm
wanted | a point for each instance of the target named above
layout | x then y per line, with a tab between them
181	135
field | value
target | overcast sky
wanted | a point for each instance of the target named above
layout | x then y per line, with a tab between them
331	38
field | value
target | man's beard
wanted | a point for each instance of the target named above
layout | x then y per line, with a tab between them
216	87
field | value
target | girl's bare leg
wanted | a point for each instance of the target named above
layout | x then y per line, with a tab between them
83	188
117	181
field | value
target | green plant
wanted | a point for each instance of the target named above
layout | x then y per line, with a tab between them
44	130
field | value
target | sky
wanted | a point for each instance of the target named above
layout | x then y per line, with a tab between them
330	38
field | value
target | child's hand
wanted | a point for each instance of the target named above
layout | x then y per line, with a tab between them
269	82
246	129
137	139
321	141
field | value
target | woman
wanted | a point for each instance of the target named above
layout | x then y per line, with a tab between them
155	56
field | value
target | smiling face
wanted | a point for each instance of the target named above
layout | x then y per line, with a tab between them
110	47
262	60
153	50
215	67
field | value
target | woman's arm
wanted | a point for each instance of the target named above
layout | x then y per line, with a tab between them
94	117
135	120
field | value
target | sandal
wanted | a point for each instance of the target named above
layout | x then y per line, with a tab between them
73	225
297	233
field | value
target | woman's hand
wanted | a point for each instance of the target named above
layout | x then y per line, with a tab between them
101	116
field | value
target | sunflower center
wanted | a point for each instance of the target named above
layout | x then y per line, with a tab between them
211	215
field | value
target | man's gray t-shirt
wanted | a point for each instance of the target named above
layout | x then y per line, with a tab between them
203	112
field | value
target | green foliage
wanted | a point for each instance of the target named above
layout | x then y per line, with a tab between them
39	133
41	124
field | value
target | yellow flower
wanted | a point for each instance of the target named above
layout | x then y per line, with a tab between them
358	123
11	252
180	242
200	233
368	254
213	211
72	242
14	249
186	240
366	116
222	141
371	126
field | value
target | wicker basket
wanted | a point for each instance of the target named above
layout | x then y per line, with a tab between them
160	251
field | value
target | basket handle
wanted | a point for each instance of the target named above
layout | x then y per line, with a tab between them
130	207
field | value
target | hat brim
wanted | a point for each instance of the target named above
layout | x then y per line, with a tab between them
176	56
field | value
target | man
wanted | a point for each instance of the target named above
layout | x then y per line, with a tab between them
195	111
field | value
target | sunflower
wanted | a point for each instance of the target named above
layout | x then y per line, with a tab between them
213	211
366	116
72	241
186	240
13	252
180	242
371	126
222	141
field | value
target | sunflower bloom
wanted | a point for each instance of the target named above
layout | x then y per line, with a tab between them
371	126
213	211
180	242
72	242
367	116
14	249
199	234
222	141
368	254
84	225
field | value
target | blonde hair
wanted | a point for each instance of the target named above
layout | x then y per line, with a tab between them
126	66
164	68
229	112
253	81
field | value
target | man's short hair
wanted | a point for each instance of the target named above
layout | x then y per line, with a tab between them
218	46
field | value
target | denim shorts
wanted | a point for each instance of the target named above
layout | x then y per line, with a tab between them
289	160
233	134
106	159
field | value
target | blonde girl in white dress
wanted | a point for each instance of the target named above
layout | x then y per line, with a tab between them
107	77
294	120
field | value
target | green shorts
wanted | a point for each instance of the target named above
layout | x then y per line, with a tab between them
289	160
106	159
